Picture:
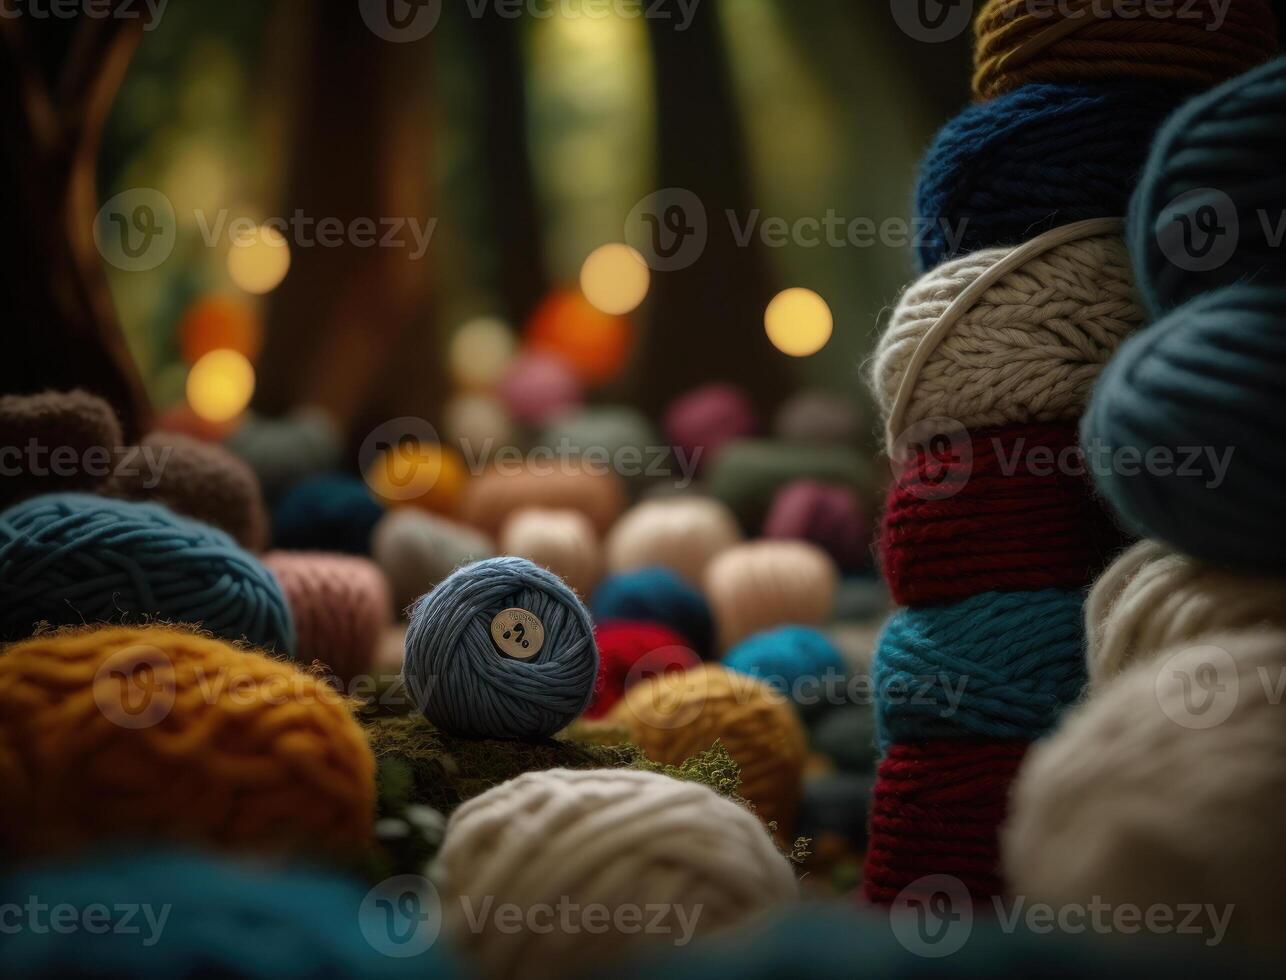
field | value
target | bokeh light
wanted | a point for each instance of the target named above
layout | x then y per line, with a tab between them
418	474
799	322
220	385
215	322
480	352
615	279
595	344
259	261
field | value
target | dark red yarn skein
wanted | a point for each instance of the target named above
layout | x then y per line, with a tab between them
1005	509
937	810
632	651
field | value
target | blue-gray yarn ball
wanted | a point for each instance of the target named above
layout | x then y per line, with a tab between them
470	681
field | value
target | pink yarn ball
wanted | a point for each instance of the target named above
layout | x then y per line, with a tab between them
829	515
708	417
539	387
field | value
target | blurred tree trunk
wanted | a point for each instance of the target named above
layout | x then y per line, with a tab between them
58	79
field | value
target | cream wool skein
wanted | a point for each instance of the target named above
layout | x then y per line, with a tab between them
564	541
1152	598
682	534
1166	789
622	839
762	584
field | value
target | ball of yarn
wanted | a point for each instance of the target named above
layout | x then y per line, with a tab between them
427	475
1193	46
748	474
1168	787
539	387
703	421
459	666
38	432
329	512
846	735
1218	157
197	479
819	417
73	559
340	605
829	515
478	424
1000	665
1152	598
417	550
287	450
680	533
630	652
762	584
542	840
187	915
1184	429
1004	171
615	437
657	595
495	495
1027	350
161	734
799	662
673	716
564	541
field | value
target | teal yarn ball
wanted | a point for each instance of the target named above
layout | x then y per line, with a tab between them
471	680
185	915
75	559
328	512
997	665
797	661
657	595
1209	209
1187	424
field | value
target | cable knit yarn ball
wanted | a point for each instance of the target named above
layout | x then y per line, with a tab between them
417	550
679	533
63	422
657	595
1167	788
73	559
762	584
563	541
465	664
617	839
158	733
1152	598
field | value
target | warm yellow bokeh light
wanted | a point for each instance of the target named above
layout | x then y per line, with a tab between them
259	261
480	352
615	278
220	385
799	322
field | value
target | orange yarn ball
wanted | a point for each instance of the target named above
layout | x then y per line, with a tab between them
217	323
157	733
425	475
594	343
675	715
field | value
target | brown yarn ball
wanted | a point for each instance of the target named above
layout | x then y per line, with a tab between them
59	425
564	541
491	498
675	715
762	584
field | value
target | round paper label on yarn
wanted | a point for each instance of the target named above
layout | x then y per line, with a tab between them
518	633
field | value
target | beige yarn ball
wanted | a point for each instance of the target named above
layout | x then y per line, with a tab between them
762	584
618	842
1152	597
1028	350
478	424
1167	789
564	541
679	533
417	550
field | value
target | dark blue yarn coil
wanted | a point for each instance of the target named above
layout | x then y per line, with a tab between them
329	512
657	595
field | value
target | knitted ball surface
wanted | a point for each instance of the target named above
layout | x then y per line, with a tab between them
1166	788
618	839
703	421
73	559
748	474
1191	46
1187	425
287	450
417	550
829	515
563	541
1205	210
682	534
799	662
657	595
163	734
197	479
180	914
55	424
762	584
340	606
328	512
1000	665
466	662
1004	171
1152	598
630	652
1028	350
673	716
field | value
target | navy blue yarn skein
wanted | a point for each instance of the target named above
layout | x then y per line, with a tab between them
328	512
998	665
1003	171
657	595
462	681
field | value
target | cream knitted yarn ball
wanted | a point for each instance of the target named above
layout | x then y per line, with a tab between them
1028	350
630	842
1167	789
564	541
1151	598
762	584
679	533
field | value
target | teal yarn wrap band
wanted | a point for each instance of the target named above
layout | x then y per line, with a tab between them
997	665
